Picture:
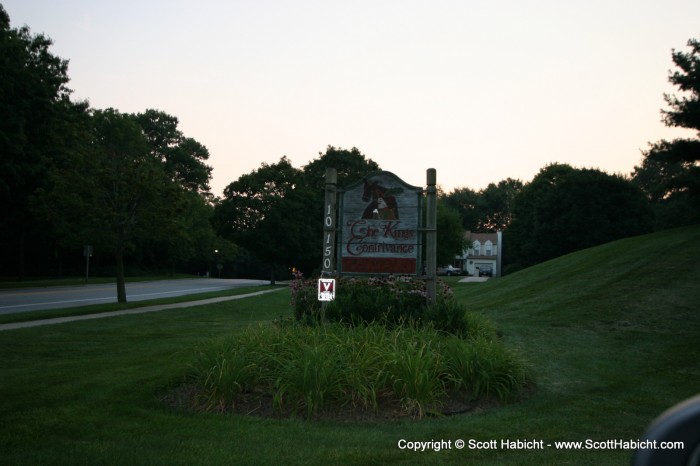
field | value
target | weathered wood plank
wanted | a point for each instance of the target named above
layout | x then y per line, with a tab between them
380	223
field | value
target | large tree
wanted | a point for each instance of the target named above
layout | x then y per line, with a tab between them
488	210
450	234
184	158
113	194
670	170
35	118
351	166
276	211
564	209
267	212
495	205
464	202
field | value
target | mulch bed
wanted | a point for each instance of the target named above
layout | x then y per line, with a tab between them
186	398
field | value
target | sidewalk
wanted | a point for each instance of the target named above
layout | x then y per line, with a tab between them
473	280
138	310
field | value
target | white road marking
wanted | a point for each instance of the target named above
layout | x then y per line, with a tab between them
112	298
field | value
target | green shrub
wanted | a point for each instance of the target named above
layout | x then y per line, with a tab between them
389	299
305	302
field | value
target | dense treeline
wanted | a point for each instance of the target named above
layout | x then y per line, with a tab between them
136	189
129	185
275	211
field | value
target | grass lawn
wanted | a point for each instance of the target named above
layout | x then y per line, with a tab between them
612	334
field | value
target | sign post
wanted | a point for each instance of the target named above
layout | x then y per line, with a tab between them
431	235
326	284
87	252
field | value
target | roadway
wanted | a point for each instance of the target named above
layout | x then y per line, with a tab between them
35	299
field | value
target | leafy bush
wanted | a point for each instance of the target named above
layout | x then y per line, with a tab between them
389	299
305	302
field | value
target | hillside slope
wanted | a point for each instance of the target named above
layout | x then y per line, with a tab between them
613	332
644	277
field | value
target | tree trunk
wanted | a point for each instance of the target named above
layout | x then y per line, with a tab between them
21	258
272	275
121	282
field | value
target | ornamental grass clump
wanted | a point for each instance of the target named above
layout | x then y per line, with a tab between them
483	367
224	369
415	369
309	370
365	374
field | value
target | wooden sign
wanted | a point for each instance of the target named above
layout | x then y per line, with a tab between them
379	226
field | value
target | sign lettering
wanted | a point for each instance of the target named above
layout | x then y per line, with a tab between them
379	226
329	220
326	289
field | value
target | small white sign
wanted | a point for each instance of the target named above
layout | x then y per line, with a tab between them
326	289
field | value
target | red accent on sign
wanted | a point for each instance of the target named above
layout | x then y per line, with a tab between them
379	265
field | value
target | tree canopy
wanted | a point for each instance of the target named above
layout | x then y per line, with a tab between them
276	210
35	113
265	212
450	234
488	210
564	209
351	165
184	158
670	170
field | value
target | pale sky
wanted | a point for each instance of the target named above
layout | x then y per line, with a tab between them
480	90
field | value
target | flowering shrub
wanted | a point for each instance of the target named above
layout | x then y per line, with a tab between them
305	302
389	299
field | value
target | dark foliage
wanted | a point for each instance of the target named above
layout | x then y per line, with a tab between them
565	209
390	300
670	170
